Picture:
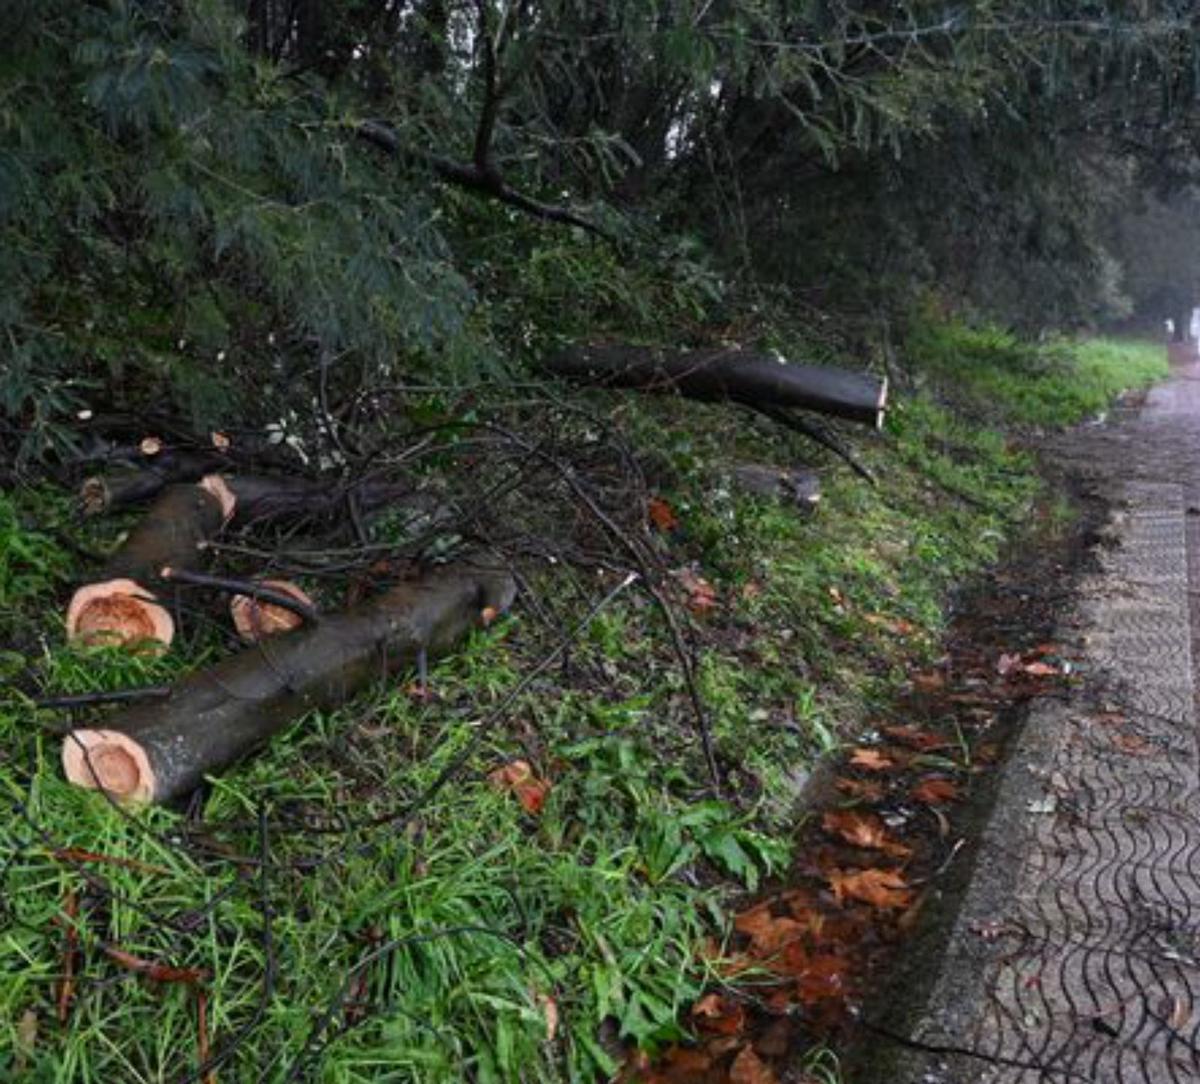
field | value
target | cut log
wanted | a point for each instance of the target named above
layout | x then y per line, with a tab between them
162	750
107	493
257	497
255	618
125	605
741	376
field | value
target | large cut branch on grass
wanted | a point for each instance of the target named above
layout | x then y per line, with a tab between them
125	605
759	381
258	497
159	751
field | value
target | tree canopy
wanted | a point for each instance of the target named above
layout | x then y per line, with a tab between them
199	197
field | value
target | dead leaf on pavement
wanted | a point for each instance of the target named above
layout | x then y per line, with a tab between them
882	888
935	791
863	830
1131	744
517	776
749	1068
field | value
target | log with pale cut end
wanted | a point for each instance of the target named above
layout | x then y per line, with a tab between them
126	603
162	750
741	376
256	618
122	488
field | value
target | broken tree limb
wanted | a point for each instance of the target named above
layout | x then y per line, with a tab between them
799	425
159	751
107	493
753	379
124	605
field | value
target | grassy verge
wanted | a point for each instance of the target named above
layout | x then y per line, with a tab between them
349	935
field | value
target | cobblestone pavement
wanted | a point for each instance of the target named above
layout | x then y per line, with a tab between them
1076	953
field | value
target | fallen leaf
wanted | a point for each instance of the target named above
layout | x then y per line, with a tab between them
768	932
662	515
1131	744
152	969
865	790
550	1012
517	776
1041	669
929	682
882	888
872	760
749	1068
1007	663
862	830
701	595
935	791
916	739
719	1015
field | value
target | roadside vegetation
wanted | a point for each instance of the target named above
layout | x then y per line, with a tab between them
341	921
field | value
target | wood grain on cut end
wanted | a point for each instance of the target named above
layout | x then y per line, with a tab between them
216	486
118	612
110	761
255	619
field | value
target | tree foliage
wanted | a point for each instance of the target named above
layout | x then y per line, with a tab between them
199	197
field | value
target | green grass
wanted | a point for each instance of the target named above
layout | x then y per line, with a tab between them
460	924
1048	385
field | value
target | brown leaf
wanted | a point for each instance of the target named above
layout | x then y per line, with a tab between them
862	830
662	515
872	760
916	739
882	888
767	932
749	1068
1131	744
895	625
935	791
929	682
152	969
818	977
518	778
700	595
865	790
719	1015
550	1012
77	854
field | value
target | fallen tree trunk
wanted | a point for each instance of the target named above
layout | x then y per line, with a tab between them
740	376
159	751
106	493
125	604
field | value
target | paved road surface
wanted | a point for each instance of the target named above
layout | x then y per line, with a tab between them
1076	955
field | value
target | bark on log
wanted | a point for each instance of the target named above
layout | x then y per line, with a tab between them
755	380
125	605
162	750
106	493
258	497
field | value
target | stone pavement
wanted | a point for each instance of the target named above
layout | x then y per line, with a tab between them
1075	955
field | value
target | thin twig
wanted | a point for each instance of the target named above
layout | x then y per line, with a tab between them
114	696
257	591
